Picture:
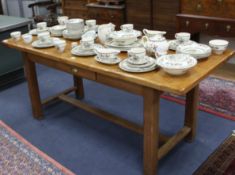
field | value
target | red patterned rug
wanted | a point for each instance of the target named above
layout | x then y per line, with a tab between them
222	161
18	156
217	96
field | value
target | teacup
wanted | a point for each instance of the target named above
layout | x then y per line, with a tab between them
41	25
87	43
27	38
107	54
62	20
44	37
16	35
91	23
60	45
183	36
137	54
127	27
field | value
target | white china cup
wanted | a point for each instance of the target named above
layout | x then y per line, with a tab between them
62	20
74	44
87	43
136	54
27	38
91	23
60	45
162	49
107	54
218	46
41	25
183	36
44	37
127	27
15	35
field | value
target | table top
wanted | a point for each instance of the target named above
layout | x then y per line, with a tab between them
10	22
157	79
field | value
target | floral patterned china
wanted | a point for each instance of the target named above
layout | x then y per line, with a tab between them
148	66
113	44
198	51
218	46
116	60
173	44
57	30
79	51
176	64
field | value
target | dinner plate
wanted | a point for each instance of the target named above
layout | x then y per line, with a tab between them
78	51
115	61
124	65
149	62
134	62
39	45
173	44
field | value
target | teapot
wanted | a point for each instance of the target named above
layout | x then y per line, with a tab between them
153	39
104	31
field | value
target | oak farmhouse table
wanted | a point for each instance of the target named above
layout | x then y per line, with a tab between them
148	85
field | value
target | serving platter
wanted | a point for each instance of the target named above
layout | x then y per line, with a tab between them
173	44
39	45
113	44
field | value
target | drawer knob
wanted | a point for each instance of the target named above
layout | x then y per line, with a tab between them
206	26
74	70
228	28
187	23
199	7
219	1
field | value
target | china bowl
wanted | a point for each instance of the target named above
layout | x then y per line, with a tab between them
75	24
218	46
176	64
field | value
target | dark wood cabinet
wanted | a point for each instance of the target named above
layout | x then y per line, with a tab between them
107	13
214	17
164	16
139	13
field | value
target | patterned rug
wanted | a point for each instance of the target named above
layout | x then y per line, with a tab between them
18	156
217	96
222	161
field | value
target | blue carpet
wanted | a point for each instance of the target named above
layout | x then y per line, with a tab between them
91	146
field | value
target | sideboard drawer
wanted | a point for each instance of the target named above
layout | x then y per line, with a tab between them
210	25
216	8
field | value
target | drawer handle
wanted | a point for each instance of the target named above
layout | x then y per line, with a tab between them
228	28
187	23
199	7
219	1
206	26
74	70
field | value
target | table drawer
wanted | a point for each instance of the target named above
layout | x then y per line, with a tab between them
83	73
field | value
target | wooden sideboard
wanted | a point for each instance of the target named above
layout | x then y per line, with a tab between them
150	14
214	17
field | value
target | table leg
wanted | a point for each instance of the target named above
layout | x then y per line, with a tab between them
34	93
78	83
151	130
191	109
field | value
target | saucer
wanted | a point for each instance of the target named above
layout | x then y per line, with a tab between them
149	62
39	45
116	61
37	31
78	51
113	44
71	36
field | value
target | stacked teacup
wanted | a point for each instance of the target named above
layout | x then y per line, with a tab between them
182	37
75	28
44	38
41	27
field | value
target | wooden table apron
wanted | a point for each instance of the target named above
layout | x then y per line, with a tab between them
152	138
